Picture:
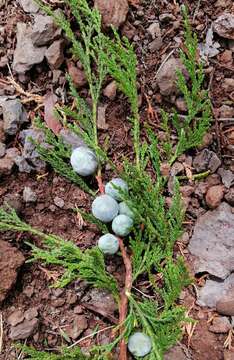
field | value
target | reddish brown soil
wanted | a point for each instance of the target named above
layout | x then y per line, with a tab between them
56	307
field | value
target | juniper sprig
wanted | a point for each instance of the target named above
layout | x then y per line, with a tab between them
157	226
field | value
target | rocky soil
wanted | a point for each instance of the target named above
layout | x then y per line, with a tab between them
34	58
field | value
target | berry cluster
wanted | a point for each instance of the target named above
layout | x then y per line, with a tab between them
109	208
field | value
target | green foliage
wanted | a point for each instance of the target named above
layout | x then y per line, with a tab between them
57	154
193	127
88	49
121	61
64	354
88	265
157	225
164	328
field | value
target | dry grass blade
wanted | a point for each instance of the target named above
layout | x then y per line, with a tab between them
28	96
228	342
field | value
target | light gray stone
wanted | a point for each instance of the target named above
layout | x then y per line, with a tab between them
26	54
206	160
13	115
44	30
214	290
30	159
154	30
54	54
29	6
227	177
29	195
23	330
71	139
212	242
167	76
59	202
224	26
113	12
2	149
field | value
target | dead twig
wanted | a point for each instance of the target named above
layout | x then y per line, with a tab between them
100	183
123	306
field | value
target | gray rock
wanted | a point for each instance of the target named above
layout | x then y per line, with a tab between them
29	195
228	84
54	54
15	318
101	117
78	326
166	17
212	242
23	330
29	6
59	202
30	159
227	177
71	139
26	54
154	30
56	76
220	325
110	90
167	76
214	290
225	305
31	313
2	149
224	26
229	197
101	299
206	160
7	162
113	12
155	44
175	353
23	165
44	30
13	115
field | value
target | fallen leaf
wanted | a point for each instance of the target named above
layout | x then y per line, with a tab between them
49	116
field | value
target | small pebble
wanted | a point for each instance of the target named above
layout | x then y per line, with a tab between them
2	149
29	195
59	202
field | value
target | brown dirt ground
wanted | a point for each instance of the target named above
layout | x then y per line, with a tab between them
56	308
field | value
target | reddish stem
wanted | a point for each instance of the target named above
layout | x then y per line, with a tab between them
123	306
100	184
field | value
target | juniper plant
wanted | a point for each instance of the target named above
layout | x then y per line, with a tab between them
156	225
